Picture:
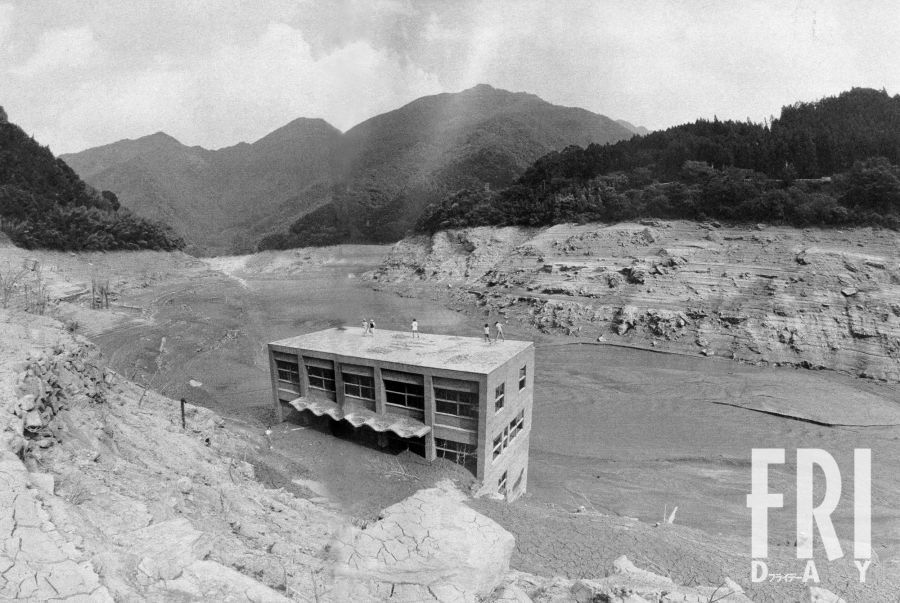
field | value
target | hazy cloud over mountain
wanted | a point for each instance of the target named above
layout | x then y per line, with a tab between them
212	73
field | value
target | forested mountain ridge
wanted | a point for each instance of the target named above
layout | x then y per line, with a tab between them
43	203
830	162
393	165
368	184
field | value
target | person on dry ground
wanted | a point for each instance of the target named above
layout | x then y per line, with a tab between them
499	328
487	333
372	327
365	326
415	328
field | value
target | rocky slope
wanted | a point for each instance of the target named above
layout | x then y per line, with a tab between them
813	298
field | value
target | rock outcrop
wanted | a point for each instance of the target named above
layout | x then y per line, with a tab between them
104	497
429	547
812	298
625	583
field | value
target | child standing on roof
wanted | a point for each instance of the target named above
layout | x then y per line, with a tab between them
415	328
499	329
487	333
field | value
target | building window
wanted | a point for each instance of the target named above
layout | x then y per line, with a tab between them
509	433
358	386
517	424
523	374
501	442
458	452
320	378
499	395
502	484
288	372
399	393
457	403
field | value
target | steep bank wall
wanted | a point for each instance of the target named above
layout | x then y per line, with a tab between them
806	297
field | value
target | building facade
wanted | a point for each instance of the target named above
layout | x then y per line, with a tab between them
458	398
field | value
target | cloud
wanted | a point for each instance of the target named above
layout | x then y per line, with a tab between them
82	74
236	92
60	48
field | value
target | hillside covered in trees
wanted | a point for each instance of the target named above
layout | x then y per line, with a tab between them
832	162
44	204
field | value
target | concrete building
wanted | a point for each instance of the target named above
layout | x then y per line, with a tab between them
458	398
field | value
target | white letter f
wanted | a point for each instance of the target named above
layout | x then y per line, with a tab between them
760	500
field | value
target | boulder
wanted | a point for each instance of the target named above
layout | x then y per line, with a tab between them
27	402
425	548
33	421
43	481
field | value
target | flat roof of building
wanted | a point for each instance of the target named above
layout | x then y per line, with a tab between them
468	354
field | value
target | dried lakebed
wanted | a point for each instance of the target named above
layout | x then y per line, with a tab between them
619	431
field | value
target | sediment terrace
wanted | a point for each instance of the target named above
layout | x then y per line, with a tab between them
767	295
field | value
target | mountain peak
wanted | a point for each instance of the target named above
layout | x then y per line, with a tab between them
302	130
161	136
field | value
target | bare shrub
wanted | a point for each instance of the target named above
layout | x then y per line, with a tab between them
10	279
36	296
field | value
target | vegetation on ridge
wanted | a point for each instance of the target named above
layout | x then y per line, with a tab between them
831	162
43	203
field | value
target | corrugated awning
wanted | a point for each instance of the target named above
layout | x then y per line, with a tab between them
405	427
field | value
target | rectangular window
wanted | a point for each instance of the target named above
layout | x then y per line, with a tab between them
400	393
358	386
502	484
319	377
499	395
457	403
523	376
288	372
517	424
458	452
509	433
501	442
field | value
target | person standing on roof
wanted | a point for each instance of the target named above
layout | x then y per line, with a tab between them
365	326
372	326
487	333
415	328
499	328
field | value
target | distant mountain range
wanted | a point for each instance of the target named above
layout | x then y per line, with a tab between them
369	184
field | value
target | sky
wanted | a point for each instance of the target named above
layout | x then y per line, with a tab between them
81	73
